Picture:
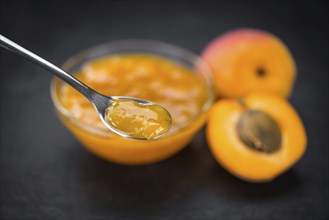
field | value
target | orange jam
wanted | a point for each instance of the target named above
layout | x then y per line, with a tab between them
143	121
147	77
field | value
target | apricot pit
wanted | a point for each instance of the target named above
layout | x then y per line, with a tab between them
259	131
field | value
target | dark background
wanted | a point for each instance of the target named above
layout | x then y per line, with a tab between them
46	174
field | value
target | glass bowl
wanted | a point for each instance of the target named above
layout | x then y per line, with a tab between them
112	147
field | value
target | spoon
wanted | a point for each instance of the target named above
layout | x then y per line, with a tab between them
100	102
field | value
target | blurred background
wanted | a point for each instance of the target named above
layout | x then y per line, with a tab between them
46	174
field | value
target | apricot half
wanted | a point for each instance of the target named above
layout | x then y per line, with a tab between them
249	60
255	138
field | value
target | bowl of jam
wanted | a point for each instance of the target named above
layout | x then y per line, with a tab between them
168	75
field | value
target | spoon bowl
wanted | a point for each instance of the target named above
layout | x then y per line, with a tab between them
101	103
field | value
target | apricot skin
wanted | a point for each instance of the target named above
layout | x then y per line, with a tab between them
250	60
239	159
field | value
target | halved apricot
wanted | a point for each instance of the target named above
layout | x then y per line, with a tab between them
256	138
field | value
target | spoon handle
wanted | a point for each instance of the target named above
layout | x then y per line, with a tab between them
78	85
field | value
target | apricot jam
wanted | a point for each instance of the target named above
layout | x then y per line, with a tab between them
143	76
138	120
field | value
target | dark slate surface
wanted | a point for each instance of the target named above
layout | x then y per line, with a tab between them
46	174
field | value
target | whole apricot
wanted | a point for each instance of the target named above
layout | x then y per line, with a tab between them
255	138
250	60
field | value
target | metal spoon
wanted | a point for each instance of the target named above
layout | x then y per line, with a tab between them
99	101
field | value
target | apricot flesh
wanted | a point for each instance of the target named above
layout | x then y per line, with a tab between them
250	60
234	154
